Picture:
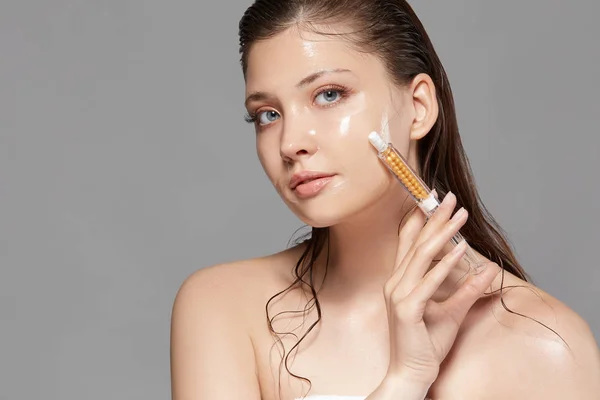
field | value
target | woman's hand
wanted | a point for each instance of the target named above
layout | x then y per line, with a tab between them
423	331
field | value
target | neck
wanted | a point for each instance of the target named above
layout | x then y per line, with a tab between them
362	250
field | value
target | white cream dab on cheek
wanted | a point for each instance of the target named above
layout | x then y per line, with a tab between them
385	128
345	125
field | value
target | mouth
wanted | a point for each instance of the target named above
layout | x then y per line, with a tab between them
303	178
308	184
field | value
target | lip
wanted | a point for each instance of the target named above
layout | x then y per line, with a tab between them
301	177
306	184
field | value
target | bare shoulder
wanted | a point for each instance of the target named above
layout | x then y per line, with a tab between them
234	285
539	346
213	316
544	326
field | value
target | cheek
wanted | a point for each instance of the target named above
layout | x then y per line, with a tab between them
351	133
397	129
270	160
362	168
335	126
366	172
400	138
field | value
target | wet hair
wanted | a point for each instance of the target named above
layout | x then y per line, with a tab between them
389	30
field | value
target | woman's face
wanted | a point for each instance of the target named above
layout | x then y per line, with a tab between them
315	100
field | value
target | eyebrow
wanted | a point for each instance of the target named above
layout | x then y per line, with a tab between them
259	96
314	76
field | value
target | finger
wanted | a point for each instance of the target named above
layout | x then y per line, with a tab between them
439	217
409	232
459	304
407	236
434	278
425	252
411	236
417	229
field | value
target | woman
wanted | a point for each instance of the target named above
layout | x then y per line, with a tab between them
375	303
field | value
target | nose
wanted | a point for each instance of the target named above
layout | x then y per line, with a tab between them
297	141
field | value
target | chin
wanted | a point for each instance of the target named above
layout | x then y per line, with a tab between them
319	215
329	209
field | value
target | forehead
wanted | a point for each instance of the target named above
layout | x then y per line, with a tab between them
293	54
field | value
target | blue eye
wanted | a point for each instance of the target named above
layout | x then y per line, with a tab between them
266	117
329	96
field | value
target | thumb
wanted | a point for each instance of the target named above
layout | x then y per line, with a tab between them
408	234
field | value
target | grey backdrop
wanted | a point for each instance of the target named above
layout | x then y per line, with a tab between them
115	185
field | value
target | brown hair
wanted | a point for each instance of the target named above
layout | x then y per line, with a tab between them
390	30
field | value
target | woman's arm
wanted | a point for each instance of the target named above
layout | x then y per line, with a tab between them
212	357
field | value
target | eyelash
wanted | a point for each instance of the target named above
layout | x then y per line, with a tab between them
252	118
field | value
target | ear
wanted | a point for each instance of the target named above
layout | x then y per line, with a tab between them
425	106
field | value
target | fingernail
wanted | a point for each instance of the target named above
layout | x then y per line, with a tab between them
459	214
449	196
